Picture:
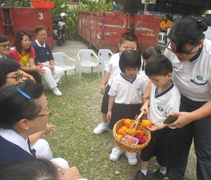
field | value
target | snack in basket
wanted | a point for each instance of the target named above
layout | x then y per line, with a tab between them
131	139
146	123
141	139
141	131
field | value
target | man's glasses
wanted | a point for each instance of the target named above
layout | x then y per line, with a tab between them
46	114
43	35
184	53
17	78
5	45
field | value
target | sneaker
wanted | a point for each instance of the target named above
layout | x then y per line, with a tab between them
157	175
132	160
56	91
141	176
116	152
100	129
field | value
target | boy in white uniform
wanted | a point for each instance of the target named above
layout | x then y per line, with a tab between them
164	101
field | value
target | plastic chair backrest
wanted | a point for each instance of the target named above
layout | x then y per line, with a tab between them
58	58
86	55
104	54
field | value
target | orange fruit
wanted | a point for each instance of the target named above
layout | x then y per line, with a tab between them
146	123
131	132
127	122
142	132
124	127
121	136
121	131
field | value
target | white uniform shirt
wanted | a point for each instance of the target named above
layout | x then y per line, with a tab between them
15	138
127	92
193	78
163	104
145	78
113	67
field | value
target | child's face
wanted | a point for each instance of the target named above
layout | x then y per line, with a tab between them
161	81
128	45
130	72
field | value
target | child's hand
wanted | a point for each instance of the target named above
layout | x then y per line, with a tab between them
102	89
144	109
156	127
109	116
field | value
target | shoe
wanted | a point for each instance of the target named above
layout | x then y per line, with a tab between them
100	129
132	160
116	152
141	176
157	175
56	91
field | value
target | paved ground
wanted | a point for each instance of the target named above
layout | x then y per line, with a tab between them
71	48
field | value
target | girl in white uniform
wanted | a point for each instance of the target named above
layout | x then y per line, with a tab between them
125	96
190	54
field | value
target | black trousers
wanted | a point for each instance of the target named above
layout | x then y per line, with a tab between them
200	131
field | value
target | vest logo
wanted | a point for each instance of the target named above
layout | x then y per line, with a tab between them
160	108
138	89
200	78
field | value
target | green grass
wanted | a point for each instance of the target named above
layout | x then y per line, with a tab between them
76	114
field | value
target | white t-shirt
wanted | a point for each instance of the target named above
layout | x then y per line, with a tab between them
145	78
193	78
127	92
163	104
207	33
113	67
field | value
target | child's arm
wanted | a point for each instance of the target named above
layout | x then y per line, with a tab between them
110	106
145	107
156	127
147	92
104	82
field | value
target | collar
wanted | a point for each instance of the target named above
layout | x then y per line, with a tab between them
129	80
194	58
44	45
15	138
163	92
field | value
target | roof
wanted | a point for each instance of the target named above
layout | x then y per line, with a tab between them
206	4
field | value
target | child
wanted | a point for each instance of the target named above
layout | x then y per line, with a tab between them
128	41
125	96
164	100
150	51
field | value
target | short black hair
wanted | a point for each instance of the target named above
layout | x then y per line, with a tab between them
39	28
29	169
7	66
151	50
3	38
129	58
158	65
187	30
14	106
129	37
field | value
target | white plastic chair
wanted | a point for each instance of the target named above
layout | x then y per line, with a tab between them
104	55
59	61
85	60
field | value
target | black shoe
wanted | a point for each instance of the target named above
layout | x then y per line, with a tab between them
141	176
157	175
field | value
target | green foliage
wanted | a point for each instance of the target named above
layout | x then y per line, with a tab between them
15	3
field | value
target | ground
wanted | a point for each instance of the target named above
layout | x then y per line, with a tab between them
76	114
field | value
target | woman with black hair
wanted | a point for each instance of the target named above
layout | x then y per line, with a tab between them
190	54
24	54
36	169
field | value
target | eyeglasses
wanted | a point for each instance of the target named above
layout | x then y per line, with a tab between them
43	35
184	53
46	114
5	45
17	78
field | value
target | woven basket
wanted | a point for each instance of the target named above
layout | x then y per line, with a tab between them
128	147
